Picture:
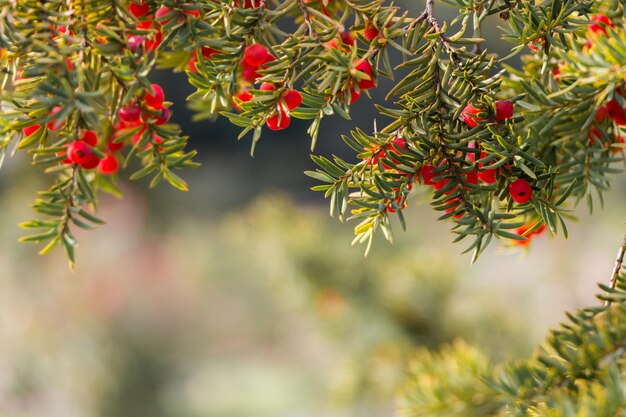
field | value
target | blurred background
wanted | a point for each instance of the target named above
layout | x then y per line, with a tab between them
243	297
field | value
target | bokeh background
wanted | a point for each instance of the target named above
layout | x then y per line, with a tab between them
243	297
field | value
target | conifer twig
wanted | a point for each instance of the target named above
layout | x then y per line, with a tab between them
617	267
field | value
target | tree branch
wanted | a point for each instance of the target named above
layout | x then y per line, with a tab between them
617	267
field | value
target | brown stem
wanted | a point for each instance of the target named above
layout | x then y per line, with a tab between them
307	20
617	267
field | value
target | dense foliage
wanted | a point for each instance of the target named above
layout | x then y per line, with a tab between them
507	151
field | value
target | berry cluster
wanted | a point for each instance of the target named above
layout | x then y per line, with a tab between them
150	109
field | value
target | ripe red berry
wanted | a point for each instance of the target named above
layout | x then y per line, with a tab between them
135	42
81	153
279	121
248	72
616	112
114	146
347	37
251	4
155	100
520	191
89	137
56	123
469	115
244	96
504	109
370	32
426	172
164	117
600	23
488	176
471	177
442	183
601	113
29	130
162	13
292	98
194	13
267	87
208	52
365	67
108	165
256	55
139	9
129	113
332	44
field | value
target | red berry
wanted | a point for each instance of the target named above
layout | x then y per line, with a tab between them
248	72
520	191
256	55
504	109
426	172
208	52
139	9
108	165
164	117
279	121
267	87
89	137
365	67
162	13
81	153
469	115
601	113
332	44
114	146
292	98
155	100
56	123
616	112
441	184
601	22
194	13
488	176
347	37
29	130
129	113
471	177
135	42
244	96
370	32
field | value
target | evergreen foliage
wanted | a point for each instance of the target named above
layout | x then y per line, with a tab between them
578	371
508	151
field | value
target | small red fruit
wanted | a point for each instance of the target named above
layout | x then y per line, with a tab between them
139	9
426	172
108	165
520	191
129	113
347	37
56	123
164	117
155	100
114	146
488	176
601	22
29	130
616	112
248	72
279	121
470	117
208	52
256	55
89	137
601	114
370	32
504	109
161	13
135	42
292	98
365	67
81	153
267	87
244	96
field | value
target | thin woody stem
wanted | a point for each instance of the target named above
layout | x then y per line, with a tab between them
307	20
617	267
